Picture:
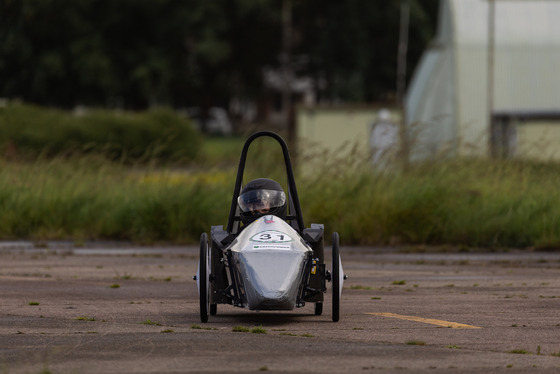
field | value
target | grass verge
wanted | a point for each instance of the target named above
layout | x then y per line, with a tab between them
468	202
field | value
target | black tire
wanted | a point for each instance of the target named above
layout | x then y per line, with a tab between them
204	278
318	309
335	278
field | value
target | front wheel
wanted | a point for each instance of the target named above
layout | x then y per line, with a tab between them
335	278
204	278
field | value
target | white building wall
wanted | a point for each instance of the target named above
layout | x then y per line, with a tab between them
536	82
526	71
472	105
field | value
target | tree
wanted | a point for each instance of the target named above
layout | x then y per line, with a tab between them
139	53
352	44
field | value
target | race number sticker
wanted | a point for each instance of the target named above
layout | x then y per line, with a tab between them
271	236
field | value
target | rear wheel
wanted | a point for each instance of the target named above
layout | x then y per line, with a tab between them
204	278
335	278
318	309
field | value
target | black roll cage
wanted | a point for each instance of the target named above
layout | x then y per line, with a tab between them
294	215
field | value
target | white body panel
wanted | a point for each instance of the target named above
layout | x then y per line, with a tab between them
270	257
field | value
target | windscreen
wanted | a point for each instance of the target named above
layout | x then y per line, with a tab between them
256	200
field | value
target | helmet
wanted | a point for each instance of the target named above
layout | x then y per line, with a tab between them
261	197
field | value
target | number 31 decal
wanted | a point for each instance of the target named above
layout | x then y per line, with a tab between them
271	236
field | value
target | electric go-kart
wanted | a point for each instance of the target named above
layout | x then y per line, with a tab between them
271	263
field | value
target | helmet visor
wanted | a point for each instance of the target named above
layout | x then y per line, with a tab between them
261	201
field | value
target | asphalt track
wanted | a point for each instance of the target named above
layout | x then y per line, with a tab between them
135	310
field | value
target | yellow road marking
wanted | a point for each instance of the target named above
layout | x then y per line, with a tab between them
438	322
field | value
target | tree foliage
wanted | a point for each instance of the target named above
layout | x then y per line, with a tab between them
139	53
352	44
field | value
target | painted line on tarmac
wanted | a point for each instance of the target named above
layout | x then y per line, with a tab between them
438	322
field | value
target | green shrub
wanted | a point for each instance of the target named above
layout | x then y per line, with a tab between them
30	132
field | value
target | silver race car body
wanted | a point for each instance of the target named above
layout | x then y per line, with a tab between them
271	259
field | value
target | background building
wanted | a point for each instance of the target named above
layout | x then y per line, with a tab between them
489	83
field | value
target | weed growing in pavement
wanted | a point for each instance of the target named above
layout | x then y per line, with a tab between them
45	370
254	330
115	285
123	277
453	346
198	327
258	330
520	351
167	331
399	282
360	287
306	335
150	323
86	318
33	303
415	342
167	279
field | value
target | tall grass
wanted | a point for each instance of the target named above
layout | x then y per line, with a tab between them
93	199
463	202
474	202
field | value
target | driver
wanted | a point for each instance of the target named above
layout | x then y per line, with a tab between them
261	197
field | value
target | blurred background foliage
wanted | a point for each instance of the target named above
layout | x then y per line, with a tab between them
158	135
143	173
134	54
